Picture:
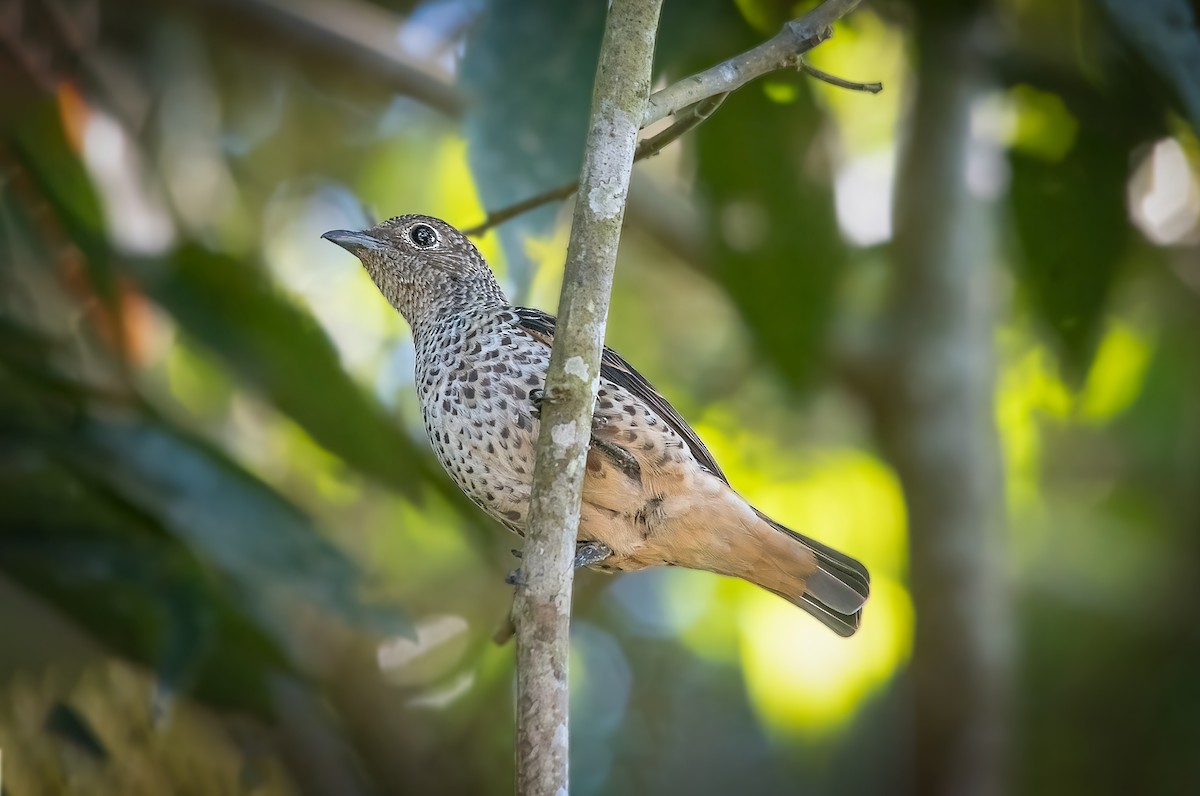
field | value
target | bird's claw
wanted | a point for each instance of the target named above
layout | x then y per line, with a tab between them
516	552
588	553
536	397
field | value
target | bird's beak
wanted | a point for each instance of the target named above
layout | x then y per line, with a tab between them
352	241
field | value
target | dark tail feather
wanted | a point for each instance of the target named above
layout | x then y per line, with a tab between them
835	593
844	625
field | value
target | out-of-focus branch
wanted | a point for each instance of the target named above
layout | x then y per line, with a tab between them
543	604
779	52
933	391
354	32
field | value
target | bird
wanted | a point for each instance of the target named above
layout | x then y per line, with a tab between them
653	495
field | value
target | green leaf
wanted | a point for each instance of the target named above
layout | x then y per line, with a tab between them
1165	34
117	575
529	68
278	349
155	542
1072	233
231	307
771	224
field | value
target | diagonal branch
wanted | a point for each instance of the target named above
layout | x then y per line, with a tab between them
780	52
684	121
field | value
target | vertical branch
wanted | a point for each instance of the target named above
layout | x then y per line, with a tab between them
543	600
937	425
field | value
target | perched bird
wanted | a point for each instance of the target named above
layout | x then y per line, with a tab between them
652	493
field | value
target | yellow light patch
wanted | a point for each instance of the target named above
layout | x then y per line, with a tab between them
865	122
801	678
779	92
1028	387
455	199
1116	377
1043	126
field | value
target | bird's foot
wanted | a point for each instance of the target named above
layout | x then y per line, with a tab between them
588	553
536	397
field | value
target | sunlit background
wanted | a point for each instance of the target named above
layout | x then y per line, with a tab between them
229	564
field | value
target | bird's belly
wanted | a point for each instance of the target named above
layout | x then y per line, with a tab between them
483	433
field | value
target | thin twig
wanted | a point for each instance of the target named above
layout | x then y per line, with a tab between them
840	82
780	52
686	120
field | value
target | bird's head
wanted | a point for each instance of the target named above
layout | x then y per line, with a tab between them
426	268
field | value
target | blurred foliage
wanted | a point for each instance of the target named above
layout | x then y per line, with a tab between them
228	563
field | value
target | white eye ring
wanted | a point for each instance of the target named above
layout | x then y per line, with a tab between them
423	236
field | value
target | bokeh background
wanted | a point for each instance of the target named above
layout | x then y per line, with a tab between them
952	329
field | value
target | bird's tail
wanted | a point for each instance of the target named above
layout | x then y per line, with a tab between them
834	591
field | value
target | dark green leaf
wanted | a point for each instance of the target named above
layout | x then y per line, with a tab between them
158	544
1073	231
279	349
73	727
528	69
233	309
1165	34
771	225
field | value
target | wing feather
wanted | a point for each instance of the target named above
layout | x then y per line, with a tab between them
615	369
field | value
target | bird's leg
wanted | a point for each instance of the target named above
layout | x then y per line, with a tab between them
615	453
586	554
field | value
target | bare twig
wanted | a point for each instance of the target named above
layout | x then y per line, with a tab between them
694	99
543	604
522	207
685	120
780	52
840	82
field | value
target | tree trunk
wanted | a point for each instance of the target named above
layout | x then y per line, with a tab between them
543	600
936	422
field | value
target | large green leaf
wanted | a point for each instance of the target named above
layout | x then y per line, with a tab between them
1166	35
134	589
159	545
233	308
528	71
771	224
1073	231
277	348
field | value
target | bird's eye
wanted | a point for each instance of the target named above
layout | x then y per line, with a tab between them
423	235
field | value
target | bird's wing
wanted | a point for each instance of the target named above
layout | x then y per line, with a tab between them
615	369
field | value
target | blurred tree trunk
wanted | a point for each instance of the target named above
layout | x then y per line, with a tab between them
936	423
